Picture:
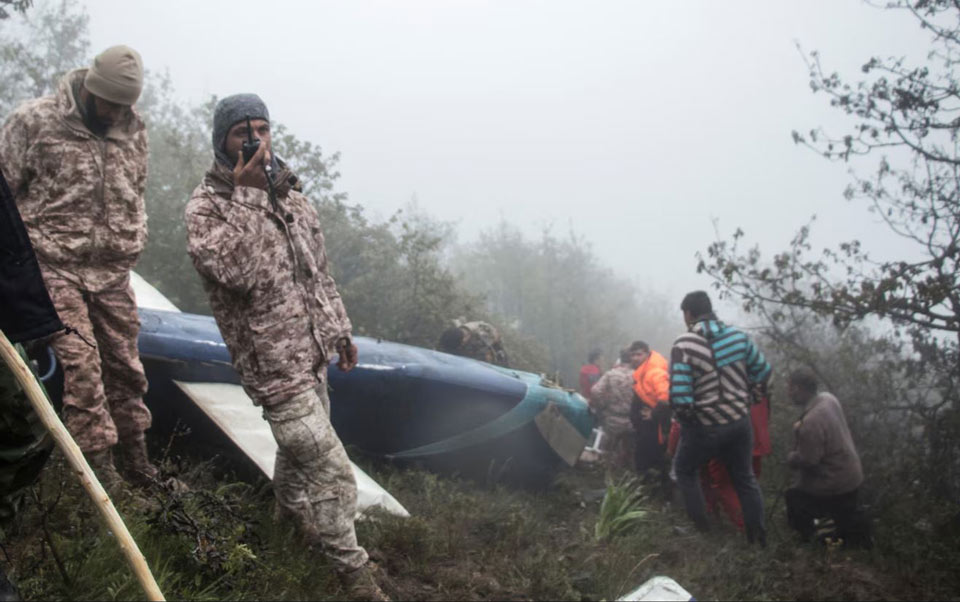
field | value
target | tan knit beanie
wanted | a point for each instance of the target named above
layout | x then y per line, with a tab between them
116	75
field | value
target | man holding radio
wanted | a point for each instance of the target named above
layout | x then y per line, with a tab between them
257	244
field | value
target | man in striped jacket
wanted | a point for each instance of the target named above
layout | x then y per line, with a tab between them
712	369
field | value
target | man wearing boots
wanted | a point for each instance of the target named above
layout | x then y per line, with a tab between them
76	162
257	244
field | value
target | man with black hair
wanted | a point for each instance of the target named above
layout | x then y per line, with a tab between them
713	368
828	469
650	411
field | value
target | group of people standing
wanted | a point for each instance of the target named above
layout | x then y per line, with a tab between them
701	419
76	162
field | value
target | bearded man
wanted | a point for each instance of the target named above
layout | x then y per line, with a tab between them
76	162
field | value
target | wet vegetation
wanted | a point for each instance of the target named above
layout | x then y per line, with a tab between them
882	336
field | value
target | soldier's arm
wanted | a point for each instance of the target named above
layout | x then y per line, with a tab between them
142	170
225	240
14	143
344	327
598	392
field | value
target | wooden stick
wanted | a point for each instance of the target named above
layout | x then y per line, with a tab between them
75	457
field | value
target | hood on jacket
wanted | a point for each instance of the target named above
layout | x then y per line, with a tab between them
71	112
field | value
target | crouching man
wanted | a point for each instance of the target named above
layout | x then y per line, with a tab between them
828	470
258	247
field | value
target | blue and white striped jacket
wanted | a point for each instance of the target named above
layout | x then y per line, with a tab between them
712	371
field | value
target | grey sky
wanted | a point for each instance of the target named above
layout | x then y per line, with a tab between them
634	123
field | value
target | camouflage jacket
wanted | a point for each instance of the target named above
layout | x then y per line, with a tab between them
611	398
80	196
482	342
266	275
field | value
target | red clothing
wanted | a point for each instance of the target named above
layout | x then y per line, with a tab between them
760	419
718	491
589	374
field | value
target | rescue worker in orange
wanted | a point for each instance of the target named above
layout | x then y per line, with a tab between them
650	412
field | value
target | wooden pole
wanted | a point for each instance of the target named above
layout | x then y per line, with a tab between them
75	457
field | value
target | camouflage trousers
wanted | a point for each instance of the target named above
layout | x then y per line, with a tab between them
312	477
25	444
103	385
618	445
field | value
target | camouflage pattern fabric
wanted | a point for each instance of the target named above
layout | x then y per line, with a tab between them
25	444
620	449
103	386
80	196
265	273
482	342
312	478
611	397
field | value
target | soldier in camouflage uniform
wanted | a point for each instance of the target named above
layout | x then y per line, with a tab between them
610	399
477	340
77	164
259	250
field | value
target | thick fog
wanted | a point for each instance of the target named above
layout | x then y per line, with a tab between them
636	124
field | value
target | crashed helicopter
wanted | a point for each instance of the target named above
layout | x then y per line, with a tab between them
401	403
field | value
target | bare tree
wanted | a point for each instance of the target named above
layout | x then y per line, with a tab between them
907	115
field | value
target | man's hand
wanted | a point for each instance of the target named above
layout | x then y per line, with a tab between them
251	173
348	355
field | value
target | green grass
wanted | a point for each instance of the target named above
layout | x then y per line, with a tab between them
465	541
622	509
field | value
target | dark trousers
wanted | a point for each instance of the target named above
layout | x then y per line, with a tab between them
732	445
649	452
849	523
